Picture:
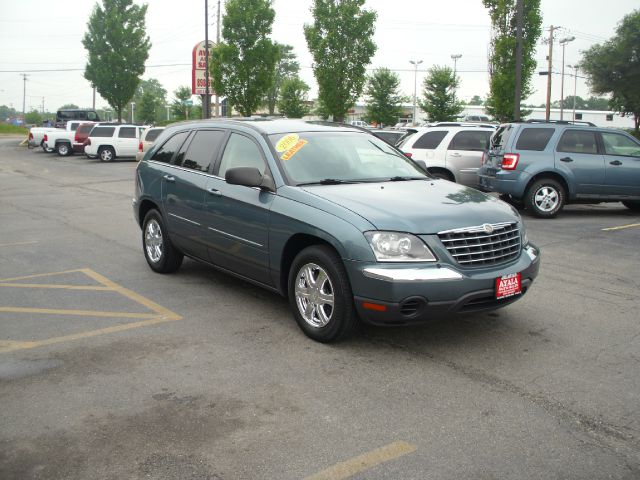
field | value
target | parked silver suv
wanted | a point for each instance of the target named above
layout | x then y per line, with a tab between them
450	152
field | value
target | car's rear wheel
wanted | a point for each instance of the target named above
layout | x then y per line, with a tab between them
63	149
320	294
545	198
106	154
632	205
161	255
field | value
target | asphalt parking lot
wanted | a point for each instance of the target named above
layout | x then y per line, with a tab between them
110	371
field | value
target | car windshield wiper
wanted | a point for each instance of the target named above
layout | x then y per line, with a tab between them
399	178
325	181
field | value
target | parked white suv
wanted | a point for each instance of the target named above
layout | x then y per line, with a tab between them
112	141
450	152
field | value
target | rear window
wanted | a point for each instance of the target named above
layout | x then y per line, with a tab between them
84	128
152	134
534	139
103	131
389	137
430	140
501	136
472	140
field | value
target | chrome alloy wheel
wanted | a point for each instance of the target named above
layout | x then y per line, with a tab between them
314	295
546	198
106	155
153	241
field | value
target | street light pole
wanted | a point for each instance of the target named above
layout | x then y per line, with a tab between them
563	42
455	59
575	87
415	86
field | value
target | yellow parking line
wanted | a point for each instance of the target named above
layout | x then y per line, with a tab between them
57	286
12	346
38	275
621	227
16	244
364	462
84	313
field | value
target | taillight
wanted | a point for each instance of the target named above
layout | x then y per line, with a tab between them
76	138
483	158
30	136
140	146
408	154
510	161
45	137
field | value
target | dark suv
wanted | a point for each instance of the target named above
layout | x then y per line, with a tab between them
545	165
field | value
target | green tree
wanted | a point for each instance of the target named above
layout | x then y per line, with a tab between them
596	103
340	42
613	67
383	99
6	112
179	107
118	45
33	117
147	108
242	67
502	85
286	67
67	106
476	100
157	92
293	101
439	89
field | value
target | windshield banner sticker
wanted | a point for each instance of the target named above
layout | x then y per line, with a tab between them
293	150
286	142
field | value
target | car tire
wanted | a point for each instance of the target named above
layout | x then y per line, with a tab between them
545	198
64	149
320	295
631	205
106	154
158	250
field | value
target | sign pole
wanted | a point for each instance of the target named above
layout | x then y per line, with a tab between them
206	104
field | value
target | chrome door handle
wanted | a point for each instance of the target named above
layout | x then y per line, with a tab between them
455	155
615	162
566	159
169	178
215	191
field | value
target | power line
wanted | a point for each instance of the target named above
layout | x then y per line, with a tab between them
82	69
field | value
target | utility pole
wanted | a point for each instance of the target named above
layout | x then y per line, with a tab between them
94	97
549	73
206	104
43	105
217	43
563	42
415	87
575	87
518	86
24	94
168	107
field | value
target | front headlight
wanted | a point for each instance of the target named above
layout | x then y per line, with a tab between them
398	247
523	235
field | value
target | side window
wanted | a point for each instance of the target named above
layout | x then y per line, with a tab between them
103	132
430	140
81	115
240	152
616	144
127	132
577	141
92	116
203	150
534	139
471	140
166	151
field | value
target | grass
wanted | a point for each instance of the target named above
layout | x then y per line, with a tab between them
12	129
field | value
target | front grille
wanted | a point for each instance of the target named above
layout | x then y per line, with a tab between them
488	244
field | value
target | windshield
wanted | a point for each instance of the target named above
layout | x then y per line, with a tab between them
335	157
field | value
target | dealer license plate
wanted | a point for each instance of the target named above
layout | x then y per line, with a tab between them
508	286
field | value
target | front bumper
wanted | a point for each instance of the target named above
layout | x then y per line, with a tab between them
399	294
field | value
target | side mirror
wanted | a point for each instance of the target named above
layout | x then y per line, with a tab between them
249	177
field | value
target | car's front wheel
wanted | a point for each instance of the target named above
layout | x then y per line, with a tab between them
545	198
631	205
106	154
161	255
320	294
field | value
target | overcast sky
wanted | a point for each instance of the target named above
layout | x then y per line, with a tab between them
46	34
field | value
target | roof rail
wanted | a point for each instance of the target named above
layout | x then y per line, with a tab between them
560	122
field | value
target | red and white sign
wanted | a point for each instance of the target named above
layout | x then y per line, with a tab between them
198	69
508	285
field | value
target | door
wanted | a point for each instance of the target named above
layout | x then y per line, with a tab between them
464	155
184	189
237	217
126	143
578	156
622	164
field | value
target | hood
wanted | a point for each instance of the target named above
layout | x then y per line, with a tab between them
417	206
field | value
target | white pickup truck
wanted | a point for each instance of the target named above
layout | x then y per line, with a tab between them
61	140
36	136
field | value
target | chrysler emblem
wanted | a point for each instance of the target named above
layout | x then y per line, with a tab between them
487	228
